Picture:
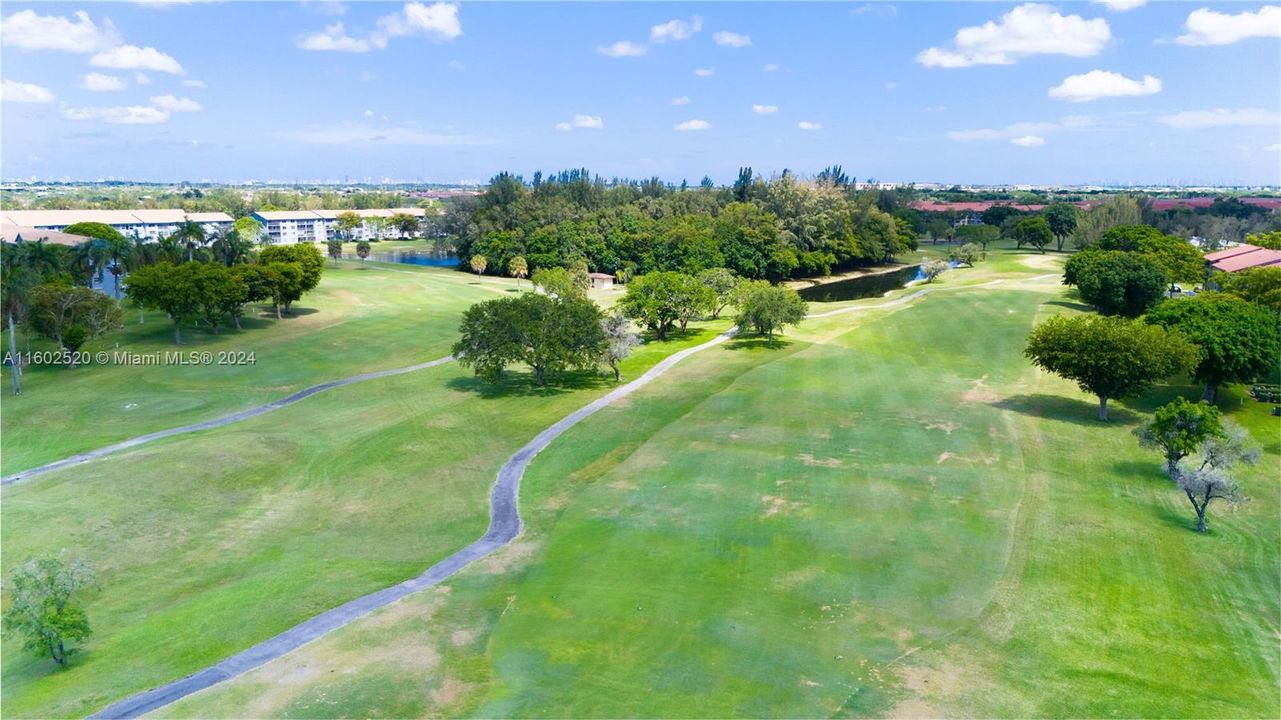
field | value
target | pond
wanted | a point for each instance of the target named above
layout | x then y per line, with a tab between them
411	257
862	286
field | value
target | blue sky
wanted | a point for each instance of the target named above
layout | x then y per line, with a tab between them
927	92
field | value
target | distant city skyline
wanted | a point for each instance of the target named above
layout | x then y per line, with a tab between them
1119	92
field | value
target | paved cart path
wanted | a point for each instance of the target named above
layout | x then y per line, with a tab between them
504	525
217	422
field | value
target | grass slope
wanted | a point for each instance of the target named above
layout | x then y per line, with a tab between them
358	319
210	542
892	514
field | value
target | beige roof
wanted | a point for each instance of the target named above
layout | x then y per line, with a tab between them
205	217
287	215
16	233
160	217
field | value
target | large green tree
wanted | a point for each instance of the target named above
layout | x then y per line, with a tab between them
1178	428
44	606
767	308
547	334
1259	285
1239	341
306	257
175	289
71	316
1110	357
1177	258
1034	231
1062	218
1117	283
660	300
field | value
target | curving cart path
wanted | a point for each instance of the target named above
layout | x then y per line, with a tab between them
504	525
217	422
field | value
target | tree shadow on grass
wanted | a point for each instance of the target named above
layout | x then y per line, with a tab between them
1056	407
521	384
1071	305
1145	470
756	342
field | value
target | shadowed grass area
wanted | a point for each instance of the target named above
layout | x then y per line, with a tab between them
893	514
356	320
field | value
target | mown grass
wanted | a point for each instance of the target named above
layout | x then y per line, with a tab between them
358	319
892	513
210	542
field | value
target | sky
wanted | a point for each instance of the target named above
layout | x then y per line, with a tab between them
1115	92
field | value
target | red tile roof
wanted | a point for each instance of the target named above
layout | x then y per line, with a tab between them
1258	257
1231	252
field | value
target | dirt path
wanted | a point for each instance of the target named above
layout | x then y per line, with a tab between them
217	422
504	525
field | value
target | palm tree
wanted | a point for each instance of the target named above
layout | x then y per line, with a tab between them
518	268
119	252
89	258
228	247
190	235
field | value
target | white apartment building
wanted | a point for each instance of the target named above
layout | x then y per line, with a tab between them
145	224
285	227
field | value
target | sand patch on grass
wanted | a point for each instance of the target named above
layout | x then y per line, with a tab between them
450	691
980	392
515	555
944	457
775	505
462	637
809	459
946	427
621	484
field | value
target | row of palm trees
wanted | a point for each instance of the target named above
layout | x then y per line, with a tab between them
118	255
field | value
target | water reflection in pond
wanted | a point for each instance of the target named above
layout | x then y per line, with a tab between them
862	286
411	257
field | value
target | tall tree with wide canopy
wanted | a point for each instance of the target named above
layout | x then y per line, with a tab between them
1110	357
1239	341
1061	218
1117	283
547	334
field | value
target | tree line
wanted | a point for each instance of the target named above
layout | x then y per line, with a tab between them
761	229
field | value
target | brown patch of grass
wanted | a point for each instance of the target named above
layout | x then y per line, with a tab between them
820	462
980	392
509	558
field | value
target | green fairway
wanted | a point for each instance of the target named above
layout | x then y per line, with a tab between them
358	319
210	542
892	513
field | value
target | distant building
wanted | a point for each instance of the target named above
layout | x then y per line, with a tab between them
144	224
1243	257
286	227
600	281
18	234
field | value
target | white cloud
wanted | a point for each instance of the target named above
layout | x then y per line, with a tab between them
1028	141
334	38
1221	117
438	21
143	79
175	104
97	82
674	30
1023	129
682	100
587	122
705	72
193	83
731	39
455	65
369	113
29	31
878	8
120	115
1121	5
325	7
689	125
1273	148
807	125
622	48
1210	27
891	85
361	134
132	57
20	92
1098	84
764	109
1025	31
770	67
